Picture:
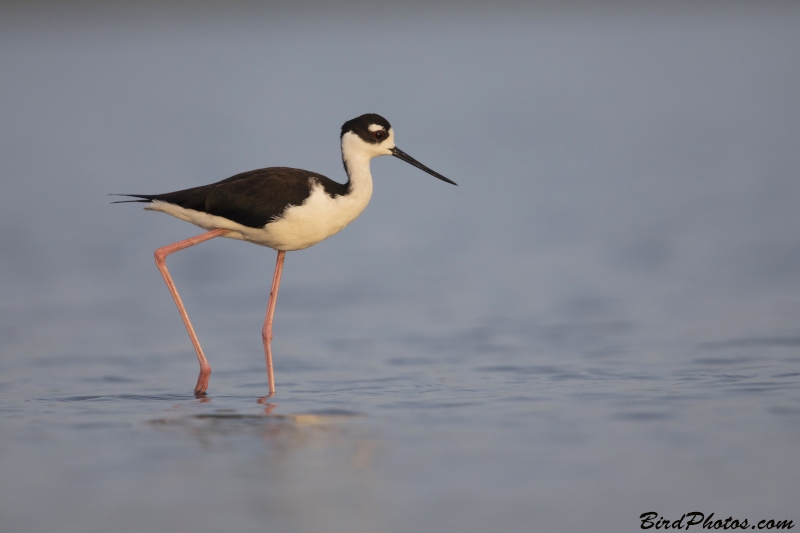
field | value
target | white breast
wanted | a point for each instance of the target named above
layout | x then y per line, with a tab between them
319	217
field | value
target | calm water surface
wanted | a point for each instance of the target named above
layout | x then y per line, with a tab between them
602	319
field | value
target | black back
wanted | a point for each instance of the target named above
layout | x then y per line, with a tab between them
252	198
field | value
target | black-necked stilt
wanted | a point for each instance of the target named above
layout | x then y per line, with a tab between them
283	208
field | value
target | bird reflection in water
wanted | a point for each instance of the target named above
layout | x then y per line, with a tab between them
286	434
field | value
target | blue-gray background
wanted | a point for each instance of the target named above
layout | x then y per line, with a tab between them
603	319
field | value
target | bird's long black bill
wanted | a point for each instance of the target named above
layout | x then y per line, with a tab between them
399	154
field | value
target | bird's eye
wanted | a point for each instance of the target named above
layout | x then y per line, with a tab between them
379	135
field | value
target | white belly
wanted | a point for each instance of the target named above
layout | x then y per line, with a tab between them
301	226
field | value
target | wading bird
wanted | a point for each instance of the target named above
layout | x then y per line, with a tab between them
282	208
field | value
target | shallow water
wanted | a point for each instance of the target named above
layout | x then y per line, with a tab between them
600	321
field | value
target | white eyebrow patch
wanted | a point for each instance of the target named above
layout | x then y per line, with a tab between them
375	127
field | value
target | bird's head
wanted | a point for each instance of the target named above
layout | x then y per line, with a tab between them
371	135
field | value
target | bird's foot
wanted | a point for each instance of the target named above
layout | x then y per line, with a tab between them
202	382
263	399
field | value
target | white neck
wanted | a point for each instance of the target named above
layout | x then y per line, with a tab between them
356	155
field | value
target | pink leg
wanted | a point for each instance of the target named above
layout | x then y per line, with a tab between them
266	333
161	262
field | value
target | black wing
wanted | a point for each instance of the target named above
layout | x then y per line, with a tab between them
251	198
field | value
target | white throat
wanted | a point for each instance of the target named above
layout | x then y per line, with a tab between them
356	155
